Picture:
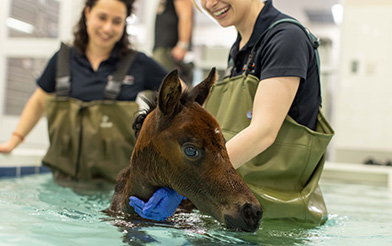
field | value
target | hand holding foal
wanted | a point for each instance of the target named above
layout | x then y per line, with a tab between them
162	204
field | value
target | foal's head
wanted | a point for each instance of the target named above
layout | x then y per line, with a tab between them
180	145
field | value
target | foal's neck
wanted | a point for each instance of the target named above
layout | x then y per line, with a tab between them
143	181
139	186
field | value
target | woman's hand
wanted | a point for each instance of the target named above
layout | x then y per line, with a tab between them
178	53
11	144
8	146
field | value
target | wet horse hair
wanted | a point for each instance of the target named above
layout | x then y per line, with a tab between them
181	146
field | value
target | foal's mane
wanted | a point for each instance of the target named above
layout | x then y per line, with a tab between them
151	105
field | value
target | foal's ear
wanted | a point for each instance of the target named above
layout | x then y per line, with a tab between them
169	93
201	91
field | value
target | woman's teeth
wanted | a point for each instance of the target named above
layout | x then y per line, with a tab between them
220	12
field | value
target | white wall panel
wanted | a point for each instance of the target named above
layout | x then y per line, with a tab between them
38	46
364	106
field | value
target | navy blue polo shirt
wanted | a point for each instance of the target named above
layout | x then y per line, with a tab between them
88	85
286	51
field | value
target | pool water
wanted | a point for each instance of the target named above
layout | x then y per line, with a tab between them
36	211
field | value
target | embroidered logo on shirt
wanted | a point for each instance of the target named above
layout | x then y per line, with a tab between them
128	80
105	122
249	115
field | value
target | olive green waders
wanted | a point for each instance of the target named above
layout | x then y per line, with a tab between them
89	140
285	176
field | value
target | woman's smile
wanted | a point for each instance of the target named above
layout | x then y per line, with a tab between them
105	37
221	13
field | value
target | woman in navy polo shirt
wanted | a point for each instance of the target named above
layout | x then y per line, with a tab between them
268	106
90	111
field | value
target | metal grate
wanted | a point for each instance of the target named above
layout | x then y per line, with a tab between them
33	18
21	76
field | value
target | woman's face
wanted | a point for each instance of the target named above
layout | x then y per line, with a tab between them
105	23
227	12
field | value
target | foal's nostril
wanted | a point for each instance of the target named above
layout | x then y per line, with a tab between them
247	218
251	216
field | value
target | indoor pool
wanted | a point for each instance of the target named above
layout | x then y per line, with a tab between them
36	211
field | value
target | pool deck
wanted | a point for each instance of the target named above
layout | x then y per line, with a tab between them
359	173
22	162
28	161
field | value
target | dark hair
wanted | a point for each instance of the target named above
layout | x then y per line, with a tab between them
80	30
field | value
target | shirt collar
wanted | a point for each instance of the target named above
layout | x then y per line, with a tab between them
114	53
112	58
265	18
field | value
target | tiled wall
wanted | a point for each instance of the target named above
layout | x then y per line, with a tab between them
19	171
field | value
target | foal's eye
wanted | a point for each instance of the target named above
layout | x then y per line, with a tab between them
191	152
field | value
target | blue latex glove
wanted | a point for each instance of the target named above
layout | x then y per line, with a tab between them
162	204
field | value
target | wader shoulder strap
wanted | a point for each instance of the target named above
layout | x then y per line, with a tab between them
113	86
313	39
63	79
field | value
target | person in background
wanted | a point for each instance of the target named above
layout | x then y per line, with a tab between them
88	92
173	35
268	106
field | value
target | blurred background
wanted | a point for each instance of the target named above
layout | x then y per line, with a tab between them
356	50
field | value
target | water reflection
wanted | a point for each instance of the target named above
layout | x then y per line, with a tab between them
35	211
199	229
181	229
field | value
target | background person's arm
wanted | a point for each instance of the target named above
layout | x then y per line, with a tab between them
184	10
31	114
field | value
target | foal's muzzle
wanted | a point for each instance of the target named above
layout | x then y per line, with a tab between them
247	219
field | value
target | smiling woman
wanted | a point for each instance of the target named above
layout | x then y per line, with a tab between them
88	92
268	106
106	25
101	26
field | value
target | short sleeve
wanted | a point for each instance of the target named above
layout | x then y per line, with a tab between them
47	80
287	52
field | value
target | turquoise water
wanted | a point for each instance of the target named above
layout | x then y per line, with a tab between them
36	211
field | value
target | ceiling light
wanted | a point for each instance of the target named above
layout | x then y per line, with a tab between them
19	25
337	13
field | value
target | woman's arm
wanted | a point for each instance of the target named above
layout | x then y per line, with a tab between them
273	99
31	114
184	10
